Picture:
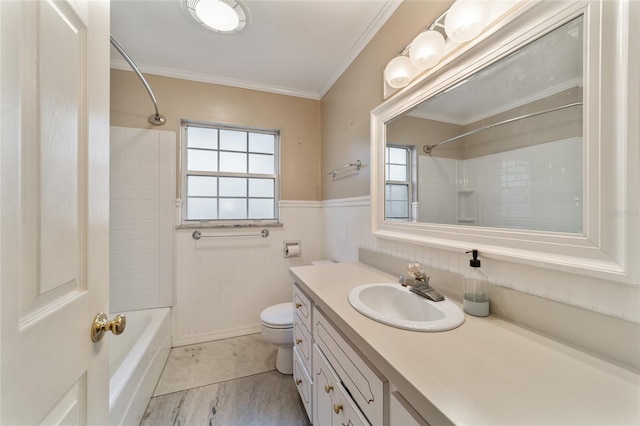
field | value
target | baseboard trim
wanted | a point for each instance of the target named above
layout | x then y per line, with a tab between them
193	339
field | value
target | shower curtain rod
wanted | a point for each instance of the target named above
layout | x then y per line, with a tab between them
157	118
428	148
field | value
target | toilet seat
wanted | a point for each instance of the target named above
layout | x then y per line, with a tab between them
278	316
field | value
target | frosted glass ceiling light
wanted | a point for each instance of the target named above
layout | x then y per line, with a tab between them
427	49
465	20
221	16
399	72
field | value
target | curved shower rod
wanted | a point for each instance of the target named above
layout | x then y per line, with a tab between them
157	118
428	148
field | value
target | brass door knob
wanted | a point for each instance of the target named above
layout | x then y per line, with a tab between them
298	381
298	305
337	408
328	388
298	341
101	325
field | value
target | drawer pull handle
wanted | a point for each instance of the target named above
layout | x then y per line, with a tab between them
337	408
298	305
298	341
298	381
328	388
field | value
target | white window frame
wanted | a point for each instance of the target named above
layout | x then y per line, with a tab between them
185	172
408	182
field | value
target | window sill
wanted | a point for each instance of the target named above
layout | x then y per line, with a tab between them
209	225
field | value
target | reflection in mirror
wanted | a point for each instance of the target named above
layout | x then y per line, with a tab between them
502	148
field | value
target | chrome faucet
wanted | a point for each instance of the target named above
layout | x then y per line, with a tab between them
419	284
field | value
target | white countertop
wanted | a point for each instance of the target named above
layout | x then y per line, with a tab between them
485	372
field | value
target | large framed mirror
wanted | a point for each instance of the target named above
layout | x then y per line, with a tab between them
506	147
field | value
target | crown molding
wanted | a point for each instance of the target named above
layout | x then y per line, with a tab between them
381	18
120	64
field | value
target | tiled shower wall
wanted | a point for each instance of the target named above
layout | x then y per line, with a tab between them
538	187
141	218
346	226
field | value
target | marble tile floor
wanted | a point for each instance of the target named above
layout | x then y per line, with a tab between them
226	382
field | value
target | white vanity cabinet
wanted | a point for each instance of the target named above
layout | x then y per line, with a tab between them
302	348
401	412
366	387
336	385
332	405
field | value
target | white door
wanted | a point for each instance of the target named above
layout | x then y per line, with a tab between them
54	165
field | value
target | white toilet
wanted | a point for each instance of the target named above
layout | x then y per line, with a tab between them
277	328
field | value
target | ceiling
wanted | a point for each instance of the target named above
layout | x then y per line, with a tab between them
292	47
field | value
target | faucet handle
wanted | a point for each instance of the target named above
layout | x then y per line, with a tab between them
416	270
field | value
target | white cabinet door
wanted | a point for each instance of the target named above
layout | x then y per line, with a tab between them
323	390
54	199
332	404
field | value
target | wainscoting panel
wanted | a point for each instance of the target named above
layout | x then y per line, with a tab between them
223	284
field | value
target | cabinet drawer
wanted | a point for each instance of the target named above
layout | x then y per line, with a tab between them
364	385
302	342
332	404
303	383
302	306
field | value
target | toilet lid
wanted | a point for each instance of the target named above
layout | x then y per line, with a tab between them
278	316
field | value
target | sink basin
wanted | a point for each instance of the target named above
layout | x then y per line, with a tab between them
398	307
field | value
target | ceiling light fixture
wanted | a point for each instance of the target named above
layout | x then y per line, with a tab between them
464	21
220	16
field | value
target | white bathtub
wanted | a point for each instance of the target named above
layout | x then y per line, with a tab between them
136	359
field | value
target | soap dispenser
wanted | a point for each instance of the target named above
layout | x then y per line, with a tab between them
475	300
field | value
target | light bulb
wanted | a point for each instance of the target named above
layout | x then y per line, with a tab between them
465	20
399	72
217	15
427	49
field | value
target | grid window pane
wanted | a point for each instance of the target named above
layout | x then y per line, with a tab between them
202	161
230	174
233	140
202	137
233	208
261	142
261	209
202	208
202	186
233	187
397	155
261	188
397	172
262	164
399	193
398	186
398	209
233	162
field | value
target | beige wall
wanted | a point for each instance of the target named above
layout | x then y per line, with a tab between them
297	119
346	107
418	132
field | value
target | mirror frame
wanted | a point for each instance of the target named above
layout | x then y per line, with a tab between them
609	248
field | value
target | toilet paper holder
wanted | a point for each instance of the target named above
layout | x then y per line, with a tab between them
292	249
